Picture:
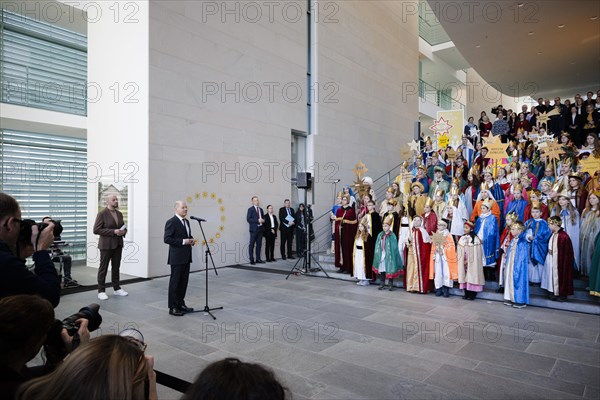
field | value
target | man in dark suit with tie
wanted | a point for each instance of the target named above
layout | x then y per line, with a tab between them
178	235
286	226
255	217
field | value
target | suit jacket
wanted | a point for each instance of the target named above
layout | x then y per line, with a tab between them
105	226
175	232
283	215
267	224
252	218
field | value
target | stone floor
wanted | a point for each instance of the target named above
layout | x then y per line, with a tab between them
332	339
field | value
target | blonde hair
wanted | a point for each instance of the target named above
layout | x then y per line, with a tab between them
109	367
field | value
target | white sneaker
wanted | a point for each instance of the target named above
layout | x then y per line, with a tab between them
102	296
121	292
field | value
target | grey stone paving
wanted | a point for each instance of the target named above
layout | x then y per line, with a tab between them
332	339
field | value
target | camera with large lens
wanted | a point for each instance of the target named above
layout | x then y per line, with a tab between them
90	313
27	225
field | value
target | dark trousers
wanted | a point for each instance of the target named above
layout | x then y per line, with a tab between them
270	246
66	263
114	257
178	283
300	242
287	236
255	239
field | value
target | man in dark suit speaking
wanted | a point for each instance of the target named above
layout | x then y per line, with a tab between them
178	235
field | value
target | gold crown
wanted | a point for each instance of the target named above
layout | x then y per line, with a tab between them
576	176
429	202
440	192
390	189
418	184
488	170
564	193
546	181
484	186
513	216
392	202
517	188
555	221
454	190
536	205
389	220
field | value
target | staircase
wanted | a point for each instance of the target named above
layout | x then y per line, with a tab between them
580	301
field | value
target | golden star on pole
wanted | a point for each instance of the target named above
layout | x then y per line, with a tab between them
452	154
496	149
590	165
360	170
553	151
543	140
545	116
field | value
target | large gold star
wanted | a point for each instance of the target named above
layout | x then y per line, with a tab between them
543	140
360	170
496	149
590	165
452	154
545	116
553	151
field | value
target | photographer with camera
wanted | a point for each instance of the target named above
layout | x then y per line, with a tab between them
18	240
58	255
25	325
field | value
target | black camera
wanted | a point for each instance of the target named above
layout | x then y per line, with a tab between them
90	313
27	224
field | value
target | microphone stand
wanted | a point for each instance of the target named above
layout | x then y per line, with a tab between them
207	253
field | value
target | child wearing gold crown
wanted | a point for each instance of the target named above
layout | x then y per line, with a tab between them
469	254
456	213
416	201
486	228
557	277
535	195
387	262
359	254
537	233
515	267
517	204
505	240
430	219
444	267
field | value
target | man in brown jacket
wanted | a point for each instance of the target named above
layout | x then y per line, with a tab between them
111	228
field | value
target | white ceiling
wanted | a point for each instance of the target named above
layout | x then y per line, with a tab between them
522	48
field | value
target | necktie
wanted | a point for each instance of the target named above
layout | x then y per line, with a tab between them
185	225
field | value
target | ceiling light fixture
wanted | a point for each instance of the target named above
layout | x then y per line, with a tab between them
478	45
531	33
520	4
595	17
561	26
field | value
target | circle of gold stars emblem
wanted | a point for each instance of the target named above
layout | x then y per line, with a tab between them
206	196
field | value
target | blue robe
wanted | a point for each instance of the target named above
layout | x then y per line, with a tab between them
517	206
541	235
498	194
490	237
520	268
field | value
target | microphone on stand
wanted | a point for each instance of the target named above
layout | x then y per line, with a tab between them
198	219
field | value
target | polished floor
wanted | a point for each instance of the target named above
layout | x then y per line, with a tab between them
332	339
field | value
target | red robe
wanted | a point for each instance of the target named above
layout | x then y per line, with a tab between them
505	240
417	256
527	214
345	231
430	222
564	261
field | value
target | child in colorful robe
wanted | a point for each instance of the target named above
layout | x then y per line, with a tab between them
486	228
418	248
469	254
517	205
360	265
516	263
505	240
537	233
444	266
387	262
557	276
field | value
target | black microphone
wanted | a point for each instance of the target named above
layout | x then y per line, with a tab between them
198	219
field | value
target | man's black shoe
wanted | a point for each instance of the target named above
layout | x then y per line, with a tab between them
176	312
260	262
252	263
291	258
186	309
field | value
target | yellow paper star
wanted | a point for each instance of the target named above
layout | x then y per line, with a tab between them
553	151
220	201
222	209
197	195
205	194
545	116
222	218
221	228
496	149
189	199
590	165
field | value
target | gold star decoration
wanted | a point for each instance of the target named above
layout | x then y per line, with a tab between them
590	165
360	170
213	196
414	146
439	239
496	149
205	194
441	126
553	151
452	154
197	196
545	116
220	201
221	228
188	199
406	153
222	209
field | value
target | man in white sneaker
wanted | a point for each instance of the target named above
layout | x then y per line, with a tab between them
111	228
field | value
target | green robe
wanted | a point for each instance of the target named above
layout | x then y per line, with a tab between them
595	269
393	261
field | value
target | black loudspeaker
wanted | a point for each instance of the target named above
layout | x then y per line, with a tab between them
303	180
417	130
